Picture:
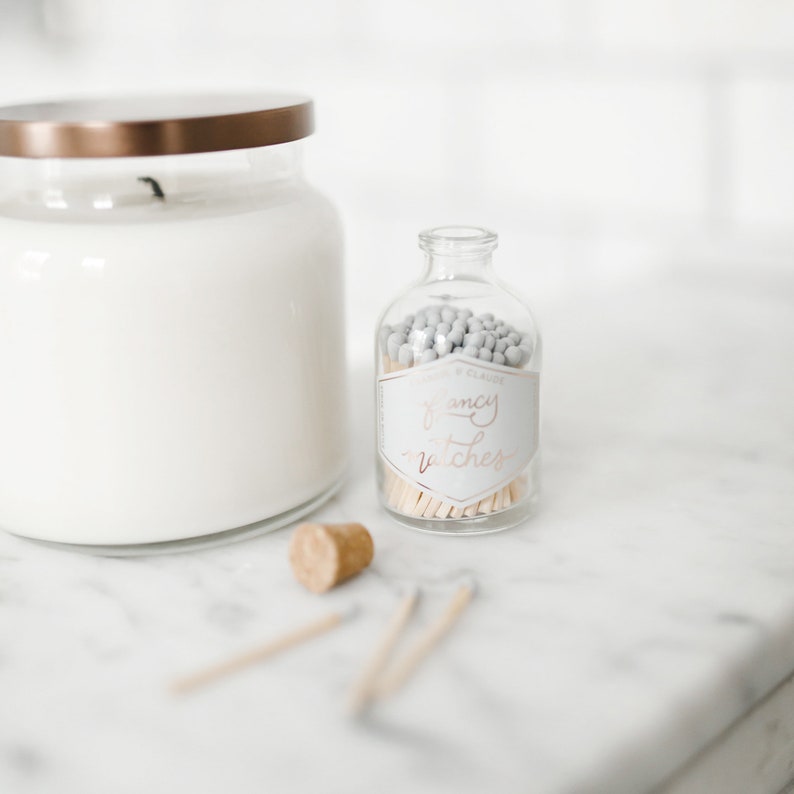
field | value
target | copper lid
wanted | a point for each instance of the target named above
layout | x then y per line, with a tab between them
148	126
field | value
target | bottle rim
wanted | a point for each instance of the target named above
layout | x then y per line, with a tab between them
457	240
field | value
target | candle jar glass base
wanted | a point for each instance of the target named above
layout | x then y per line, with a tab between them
201	541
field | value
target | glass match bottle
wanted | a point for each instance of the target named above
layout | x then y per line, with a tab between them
458	385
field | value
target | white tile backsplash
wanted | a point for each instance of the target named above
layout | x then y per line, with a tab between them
597	143
385	130
452	24
700	28
605	135
762	129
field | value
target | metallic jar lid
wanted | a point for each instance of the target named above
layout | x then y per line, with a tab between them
150	126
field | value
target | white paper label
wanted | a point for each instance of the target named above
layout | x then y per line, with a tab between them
458	429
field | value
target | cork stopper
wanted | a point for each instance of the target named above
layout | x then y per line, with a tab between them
323	555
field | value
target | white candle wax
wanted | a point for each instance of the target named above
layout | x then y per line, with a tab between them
171	368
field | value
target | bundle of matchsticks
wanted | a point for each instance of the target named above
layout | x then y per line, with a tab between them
404	498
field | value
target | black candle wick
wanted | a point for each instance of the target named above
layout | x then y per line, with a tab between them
154	185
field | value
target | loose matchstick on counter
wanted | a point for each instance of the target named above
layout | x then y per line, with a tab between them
321	556
362	689
395	676
306	632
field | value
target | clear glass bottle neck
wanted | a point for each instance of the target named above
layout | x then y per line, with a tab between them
447	267
458	252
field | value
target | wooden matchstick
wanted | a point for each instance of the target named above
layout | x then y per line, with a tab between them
444	509
361	692
406	499
486	505
516	490
396	676
422	504
209	674
409	501
396	491
471	510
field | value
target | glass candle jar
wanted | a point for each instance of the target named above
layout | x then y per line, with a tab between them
171	322
458	375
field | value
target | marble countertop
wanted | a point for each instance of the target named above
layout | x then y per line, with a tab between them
646	607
